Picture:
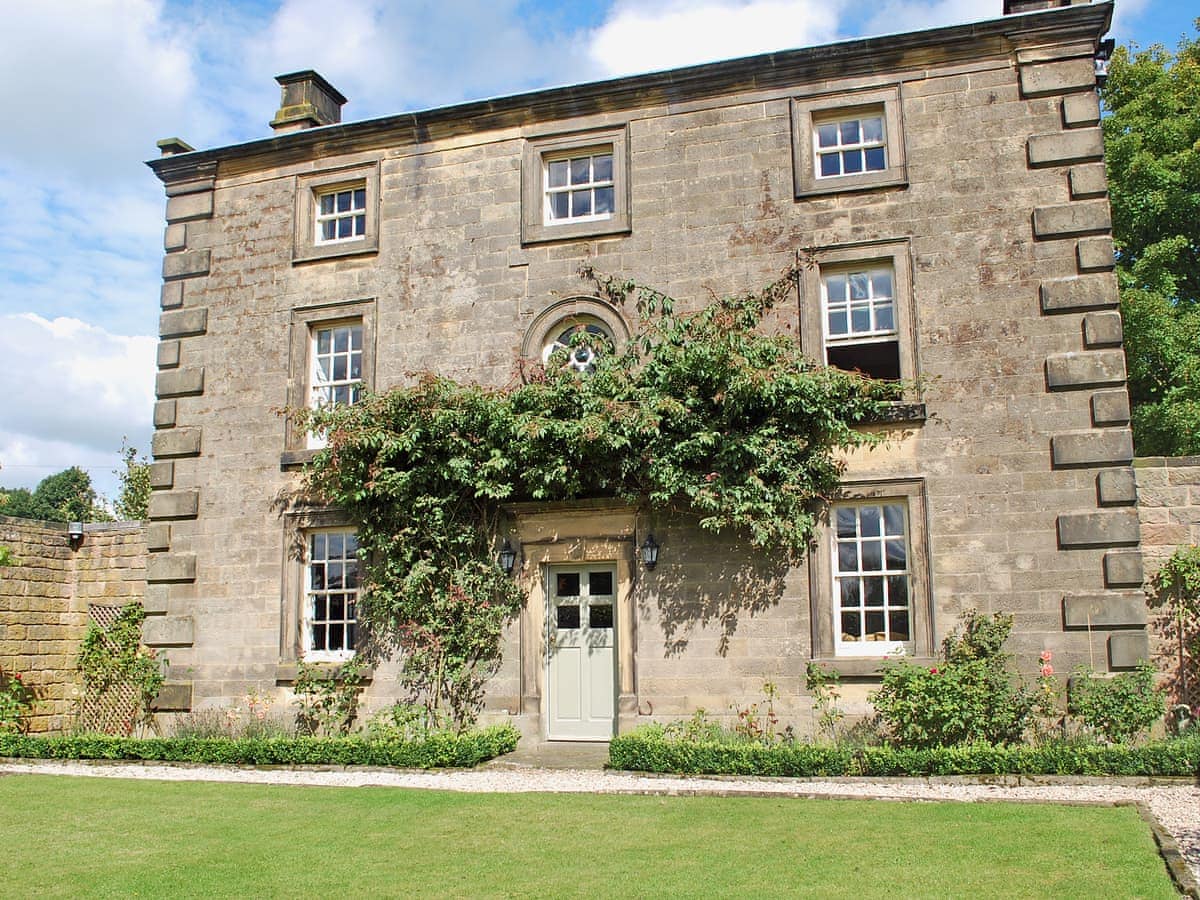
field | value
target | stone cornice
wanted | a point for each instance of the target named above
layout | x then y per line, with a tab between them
846	59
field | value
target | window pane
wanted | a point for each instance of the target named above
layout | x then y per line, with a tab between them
557	173
847	557
884	320
345	228
850	133
897	555
318	637
898	624
318	547
344	199
829	164
851	627
869	516
600	616
350	629
860	319
849	593
356	337
568	617
881	284
356	366
360	198
581	203
852	161
322	373
835	288
337	606
360	225
893	519
559	206
602	167
329	230
341	339
837	322
876	160
872	556
333	575
326	204
568	584
335	542
341	394
339	368
316	576
827	135
875	626
600	584
846	522
604	200
898	590
873	591
337	636
872	129
581	170
859	286
351	572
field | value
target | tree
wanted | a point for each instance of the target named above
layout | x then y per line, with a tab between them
133	502
66	496
1152	143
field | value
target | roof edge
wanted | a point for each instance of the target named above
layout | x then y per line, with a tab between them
844	58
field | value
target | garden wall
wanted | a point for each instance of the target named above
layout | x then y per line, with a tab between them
45	598
1168	505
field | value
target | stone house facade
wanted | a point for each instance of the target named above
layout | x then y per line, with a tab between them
949	184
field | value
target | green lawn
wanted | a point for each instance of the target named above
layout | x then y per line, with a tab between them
76	837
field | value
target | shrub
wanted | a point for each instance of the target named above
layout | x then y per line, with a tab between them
16	700
438	751
651	749
1119	708
970	697
327	697
253	719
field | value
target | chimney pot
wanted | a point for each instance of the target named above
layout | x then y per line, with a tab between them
307	100
172	145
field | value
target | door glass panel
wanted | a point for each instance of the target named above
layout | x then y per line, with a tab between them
567	584
600	616
600	584
568	617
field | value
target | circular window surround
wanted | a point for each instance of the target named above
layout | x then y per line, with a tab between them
550	322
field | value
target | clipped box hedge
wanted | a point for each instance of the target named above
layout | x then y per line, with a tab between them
435	752
648	750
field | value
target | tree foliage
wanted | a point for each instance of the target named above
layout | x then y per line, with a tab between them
701	413
66	496
1152	143
133	501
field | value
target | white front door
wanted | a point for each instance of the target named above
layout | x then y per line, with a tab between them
581	673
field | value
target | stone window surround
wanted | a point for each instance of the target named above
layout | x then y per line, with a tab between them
551	320
304	320
308	190
536	150
297	525
910	491
897	254
809	111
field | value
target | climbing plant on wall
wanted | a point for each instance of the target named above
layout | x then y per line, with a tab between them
700	412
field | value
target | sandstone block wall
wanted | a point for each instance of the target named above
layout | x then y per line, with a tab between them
44	600
1168	505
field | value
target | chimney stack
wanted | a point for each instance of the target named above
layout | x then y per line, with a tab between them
307	101
1016	7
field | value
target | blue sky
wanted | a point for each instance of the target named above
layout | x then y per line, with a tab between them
88	86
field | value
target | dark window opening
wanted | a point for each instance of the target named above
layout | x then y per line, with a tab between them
878	360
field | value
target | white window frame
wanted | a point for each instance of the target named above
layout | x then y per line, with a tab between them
356	214
311	594
839	149
308	245
317	386
864	647
848	304
570	188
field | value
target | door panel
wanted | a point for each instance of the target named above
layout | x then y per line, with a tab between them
580	652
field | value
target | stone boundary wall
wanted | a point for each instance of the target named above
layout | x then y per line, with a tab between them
44	602
1168	505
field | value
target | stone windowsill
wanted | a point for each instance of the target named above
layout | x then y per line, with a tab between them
286	673
867	666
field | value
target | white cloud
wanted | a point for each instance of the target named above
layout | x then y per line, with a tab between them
85	85
642	37
897	16
72	391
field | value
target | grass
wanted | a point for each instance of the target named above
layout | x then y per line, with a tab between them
86	837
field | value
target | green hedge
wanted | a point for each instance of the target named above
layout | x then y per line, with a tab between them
435	752
647	750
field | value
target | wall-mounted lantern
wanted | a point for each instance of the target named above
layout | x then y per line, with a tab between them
650	552
508	557
75	534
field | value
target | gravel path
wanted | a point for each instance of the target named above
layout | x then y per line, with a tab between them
1176	806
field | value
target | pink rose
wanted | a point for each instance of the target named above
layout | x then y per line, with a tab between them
1047	670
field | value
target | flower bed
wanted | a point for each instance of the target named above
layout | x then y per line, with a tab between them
650	749
442	750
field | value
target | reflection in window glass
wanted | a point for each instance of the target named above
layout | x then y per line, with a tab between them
579	188
871	574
